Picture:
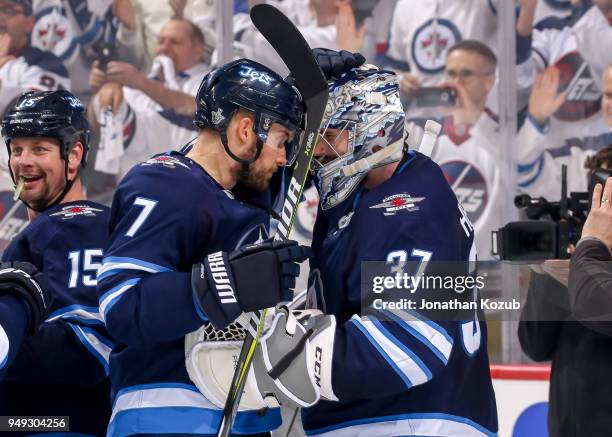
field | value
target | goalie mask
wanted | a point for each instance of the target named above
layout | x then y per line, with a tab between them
364	105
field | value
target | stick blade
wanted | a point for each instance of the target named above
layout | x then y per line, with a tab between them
293	49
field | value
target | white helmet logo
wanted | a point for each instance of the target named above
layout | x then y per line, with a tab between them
217	116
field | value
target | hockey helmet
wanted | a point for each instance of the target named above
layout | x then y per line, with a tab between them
365	103
249	85
53	114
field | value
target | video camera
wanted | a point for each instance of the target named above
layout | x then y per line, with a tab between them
552	226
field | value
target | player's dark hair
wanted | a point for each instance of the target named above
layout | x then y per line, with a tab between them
602	159
471	45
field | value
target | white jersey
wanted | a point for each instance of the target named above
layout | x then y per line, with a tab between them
540	159
552	8
69	29
146	127
32	70
423	31
579	51
469	159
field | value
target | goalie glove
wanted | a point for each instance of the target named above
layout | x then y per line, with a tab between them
293	360
291	366
254	277
334	64
25	281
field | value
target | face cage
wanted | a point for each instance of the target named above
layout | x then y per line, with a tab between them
333	186
319	165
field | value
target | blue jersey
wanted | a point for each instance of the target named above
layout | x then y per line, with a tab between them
167	214
13	323
399	372
63	368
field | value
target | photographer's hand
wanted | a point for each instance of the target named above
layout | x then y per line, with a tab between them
599	221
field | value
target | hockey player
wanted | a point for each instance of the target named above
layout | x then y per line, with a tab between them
378	372
47	135
177	257
416	376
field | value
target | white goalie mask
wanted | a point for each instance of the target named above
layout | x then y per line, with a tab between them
364	107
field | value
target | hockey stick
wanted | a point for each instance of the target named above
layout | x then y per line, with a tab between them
428	142
289	43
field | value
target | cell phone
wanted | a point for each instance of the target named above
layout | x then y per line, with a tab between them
107	53
427	97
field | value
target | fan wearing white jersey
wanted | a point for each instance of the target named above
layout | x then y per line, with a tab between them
22	67
422	32
467	149
149	112
540	157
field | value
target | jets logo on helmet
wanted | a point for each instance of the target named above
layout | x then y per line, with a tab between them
245	84
49	114
251	73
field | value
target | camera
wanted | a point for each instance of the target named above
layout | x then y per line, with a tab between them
552	226
427	97
107	53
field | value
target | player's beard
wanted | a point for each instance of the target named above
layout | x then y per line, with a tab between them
256	178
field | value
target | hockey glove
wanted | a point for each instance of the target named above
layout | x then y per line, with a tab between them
291	365
293	360
334	63
24	280
250	278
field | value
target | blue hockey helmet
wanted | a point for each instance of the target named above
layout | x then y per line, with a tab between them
53	114
365	103
249	85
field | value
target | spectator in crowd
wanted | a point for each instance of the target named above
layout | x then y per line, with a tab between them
140	23
74	31
580	46
149	112
540	152
423	32
23	67
467	147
